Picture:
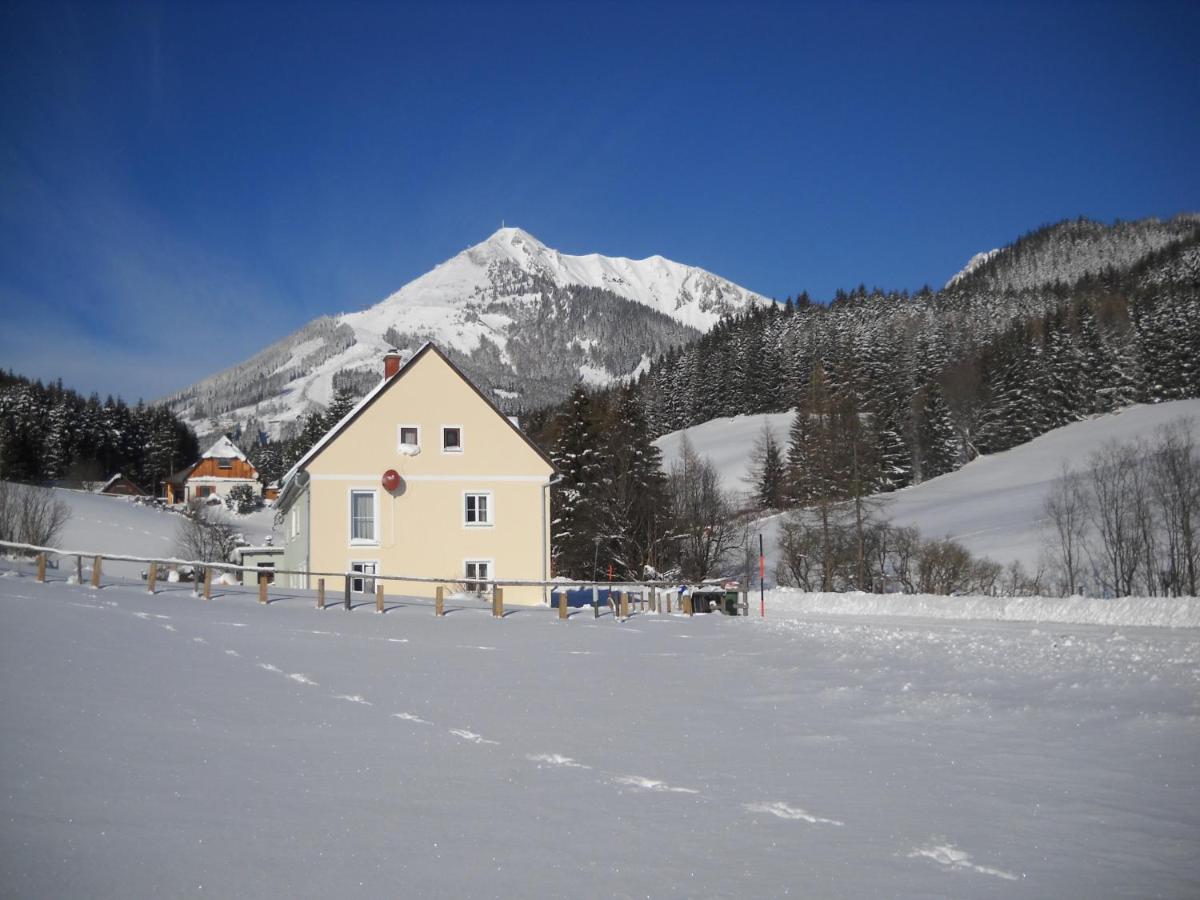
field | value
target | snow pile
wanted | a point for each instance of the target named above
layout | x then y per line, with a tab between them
1166	612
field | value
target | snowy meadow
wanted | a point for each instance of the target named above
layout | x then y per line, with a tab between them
166	745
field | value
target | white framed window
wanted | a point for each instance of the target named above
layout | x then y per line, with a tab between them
224	462
362	582
477	508
452	439
364	517
476	573
408	436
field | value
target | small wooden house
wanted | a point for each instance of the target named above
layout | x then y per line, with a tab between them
221	467
122	486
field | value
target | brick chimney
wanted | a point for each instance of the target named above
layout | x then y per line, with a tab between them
391	364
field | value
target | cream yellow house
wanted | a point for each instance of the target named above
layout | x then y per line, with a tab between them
471	503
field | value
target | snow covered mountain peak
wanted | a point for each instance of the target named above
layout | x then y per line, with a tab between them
524	320
512	262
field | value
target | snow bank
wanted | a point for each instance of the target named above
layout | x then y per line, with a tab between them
1164	612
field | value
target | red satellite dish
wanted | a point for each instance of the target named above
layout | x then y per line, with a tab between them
391	480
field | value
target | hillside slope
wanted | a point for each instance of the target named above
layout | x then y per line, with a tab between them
992	505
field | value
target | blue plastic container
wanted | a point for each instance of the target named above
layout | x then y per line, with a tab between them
577	597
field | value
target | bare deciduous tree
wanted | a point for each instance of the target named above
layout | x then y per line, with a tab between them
1175	481
31	515
205	535
1116	548
1066	511
706	530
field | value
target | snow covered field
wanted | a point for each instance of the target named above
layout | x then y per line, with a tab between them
992	505
168	746
116	525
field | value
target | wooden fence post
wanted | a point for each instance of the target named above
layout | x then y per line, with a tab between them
79	570
196	581
439	601
623	601
653	599
96	572
498	602
208	582
41	576
562	603
152	577
687	604
346	601
379	596
262	588
667	600
320	593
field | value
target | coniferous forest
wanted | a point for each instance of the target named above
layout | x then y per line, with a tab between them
892	388
51	433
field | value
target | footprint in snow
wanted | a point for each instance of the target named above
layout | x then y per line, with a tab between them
354	698
142	615
946	854
409	717
199	640
169	627
651	784
232	653
556	760
301	678
471	736
784	811
269	668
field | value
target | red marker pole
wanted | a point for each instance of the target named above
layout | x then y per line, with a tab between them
762	572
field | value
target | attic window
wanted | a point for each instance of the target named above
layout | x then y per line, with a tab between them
224	462
451	439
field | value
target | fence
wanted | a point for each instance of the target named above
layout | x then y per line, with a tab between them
656	595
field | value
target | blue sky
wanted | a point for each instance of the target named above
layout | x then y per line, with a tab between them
183	183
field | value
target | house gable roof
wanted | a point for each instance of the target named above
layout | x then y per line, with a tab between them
379	389
224	448
118	477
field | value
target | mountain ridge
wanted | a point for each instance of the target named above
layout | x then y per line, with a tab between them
525	321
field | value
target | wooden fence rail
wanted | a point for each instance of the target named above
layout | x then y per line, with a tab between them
498	585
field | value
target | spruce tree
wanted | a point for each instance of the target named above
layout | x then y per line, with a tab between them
578	498
768	471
